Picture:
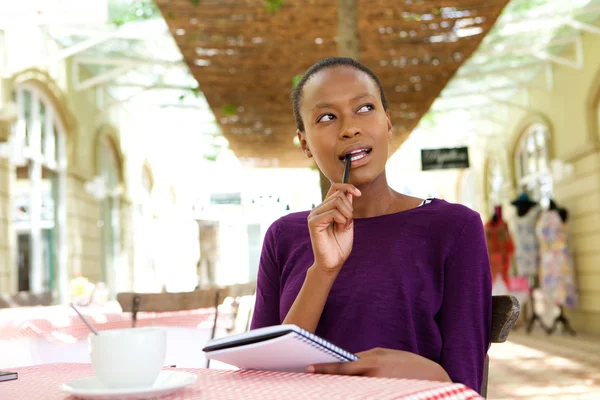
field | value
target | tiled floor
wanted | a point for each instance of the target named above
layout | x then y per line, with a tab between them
538	366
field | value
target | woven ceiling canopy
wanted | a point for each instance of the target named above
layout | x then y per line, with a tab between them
245	59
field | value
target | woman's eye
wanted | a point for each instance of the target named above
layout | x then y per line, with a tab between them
326	118
365	108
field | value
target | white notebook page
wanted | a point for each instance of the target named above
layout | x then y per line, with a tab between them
288	353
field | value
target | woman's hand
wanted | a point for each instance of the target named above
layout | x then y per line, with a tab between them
331	227
386	363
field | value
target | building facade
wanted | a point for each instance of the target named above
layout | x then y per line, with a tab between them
550	149
77	189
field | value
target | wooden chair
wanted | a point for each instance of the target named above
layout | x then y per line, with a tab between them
505	312
236	292
6	301
26	299
164	302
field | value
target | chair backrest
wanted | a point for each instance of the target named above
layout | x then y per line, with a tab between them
505	312
236	292
164	302
6	301
240	290
26	299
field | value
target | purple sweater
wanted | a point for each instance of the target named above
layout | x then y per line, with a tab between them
417	280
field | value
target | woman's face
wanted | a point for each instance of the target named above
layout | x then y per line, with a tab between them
342	113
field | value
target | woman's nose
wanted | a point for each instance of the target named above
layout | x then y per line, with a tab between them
350	132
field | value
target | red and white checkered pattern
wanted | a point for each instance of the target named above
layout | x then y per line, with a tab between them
42	383
61	323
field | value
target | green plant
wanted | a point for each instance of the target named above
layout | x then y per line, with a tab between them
215	148
229	110
521	7
192	91
121	12
273	5
210	157
195	92
296	80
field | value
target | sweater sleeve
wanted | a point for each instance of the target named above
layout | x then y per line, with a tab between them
266	307
465	316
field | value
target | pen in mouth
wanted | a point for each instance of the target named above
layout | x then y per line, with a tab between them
347	163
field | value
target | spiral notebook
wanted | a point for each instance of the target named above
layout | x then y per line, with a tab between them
287	348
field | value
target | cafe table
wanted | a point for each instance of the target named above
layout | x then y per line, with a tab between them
55	334
42	382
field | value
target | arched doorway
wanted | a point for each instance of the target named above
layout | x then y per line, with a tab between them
532	163
39	214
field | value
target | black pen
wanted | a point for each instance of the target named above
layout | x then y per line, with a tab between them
347	163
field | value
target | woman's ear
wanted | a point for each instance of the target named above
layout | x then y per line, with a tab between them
303	143
389	123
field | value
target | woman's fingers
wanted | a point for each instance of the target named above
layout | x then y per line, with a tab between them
350	368
344	188
339	198
326	218
338	201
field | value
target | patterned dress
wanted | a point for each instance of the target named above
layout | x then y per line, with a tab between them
557	272
527	251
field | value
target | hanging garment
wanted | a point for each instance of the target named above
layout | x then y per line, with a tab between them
527	249
557	272
500	250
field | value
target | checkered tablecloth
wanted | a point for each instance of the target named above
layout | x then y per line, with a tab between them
61	323
42	383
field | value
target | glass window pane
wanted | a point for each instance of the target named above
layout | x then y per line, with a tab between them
545	155
42	121
530	144
48	222
531	165
26	104
22	196
51	144
541	138
49	181
524	170
543	163
23	260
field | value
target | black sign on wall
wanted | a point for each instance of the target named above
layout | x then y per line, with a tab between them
452	158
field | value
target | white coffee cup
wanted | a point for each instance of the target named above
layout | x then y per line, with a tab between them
128	358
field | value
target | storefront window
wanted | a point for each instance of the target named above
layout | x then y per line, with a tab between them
38	144
532	163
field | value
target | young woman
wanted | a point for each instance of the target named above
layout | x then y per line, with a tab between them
404	283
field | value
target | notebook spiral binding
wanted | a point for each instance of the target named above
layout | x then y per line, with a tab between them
325	346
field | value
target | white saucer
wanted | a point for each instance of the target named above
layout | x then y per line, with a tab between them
166	383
